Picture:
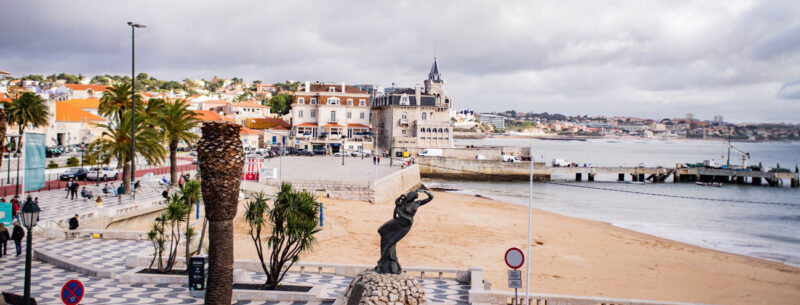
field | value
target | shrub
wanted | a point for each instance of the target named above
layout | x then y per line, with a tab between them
73	161
52	164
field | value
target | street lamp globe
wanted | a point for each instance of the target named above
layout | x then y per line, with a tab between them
30	213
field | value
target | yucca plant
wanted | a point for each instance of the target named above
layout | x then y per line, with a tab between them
221	159
156	236
190	193
294	218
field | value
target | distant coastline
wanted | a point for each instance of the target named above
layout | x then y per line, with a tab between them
629	138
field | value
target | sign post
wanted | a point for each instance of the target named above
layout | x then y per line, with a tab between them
514	260
72	292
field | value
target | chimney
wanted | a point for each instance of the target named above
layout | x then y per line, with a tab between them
308	86
343	87
417	90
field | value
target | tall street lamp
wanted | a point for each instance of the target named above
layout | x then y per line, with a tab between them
30	216
133	26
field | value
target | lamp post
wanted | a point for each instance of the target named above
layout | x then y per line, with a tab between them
133	26
30	216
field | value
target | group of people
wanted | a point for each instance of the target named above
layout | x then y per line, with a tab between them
16	235
72	189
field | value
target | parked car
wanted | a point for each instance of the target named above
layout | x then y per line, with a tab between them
318	151
510	158
52	153
74	173
102	173
431	152
303	152
561	163
341	153
481	157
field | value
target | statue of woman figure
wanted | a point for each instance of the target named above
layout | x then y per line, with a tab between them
394	230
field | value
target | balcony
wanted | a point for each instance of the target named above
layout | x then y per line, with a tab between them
333	121
403	122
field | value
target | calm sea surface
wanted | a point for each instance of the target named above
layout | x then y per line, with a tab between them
750	220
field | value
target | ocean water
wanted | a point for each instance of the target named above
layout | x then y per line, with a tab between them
757	221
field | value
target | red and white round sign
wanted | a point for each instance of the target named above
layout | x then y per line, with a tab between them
514	258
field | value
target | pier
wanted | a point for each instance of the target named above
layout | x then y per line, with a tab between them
496	170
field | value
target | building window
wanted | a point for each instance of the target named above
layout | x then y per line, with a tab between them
301	100
404	100
421	130
313	113
313	101
362	102
446	130
349	102
299	113
404	132
404	115
333	101
424	116
349	115
331	89
361	116
333	116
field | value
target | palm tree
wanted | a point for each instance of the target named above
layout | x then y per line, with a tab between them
117	100
116	141
221	159
28	109
177	121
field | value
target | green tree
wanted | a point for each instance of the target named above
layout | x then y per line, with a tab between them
116	141
280	104
73	161
117	100
175	214
27	110
294	218
177	122
190	194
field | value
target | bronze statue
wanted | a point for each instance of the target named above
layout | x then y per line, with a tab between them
394	230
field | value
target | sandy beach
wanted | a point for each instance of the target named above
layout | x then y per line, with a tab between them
570	255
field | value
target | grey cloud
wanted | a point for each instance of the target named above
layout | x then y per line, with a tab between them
790	90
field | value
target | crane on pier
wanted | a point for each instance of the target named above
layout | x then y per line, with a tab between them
745	155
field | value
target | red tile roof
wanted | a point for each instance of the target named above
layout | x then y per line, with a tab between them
86	87
65	112
248	131
357	126
307	125
332	125
324	88
266	123
208	116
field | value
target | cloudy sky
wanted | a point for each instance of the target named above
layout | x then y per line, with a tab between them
739	59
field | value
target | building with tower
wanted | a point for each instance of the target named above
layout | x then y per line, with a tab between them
412	119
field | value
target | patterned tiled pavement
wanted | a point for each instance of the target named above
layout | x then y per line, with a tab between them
110	255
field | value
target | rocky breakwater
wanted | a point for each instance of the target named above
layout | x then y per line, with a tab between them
372	288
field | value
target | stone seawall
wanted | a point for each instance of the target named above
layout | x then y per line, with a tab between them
480	170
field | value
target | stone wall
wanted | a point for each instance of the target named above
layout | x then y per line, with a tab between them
482	170
390	187
371	288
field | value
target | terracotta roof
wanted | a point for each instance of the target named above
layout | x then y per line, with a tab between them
306	125
266	123
66	112
324	88
92	103
220	102
253	104
86	87
248	131
332	125
4	72
357	126
208	116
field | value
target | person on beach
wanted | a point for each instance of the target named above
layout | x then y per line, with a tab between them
17	234
395	229
73	223
4	237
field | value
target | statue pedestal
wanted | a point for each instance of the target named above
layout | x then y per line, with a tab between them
372	288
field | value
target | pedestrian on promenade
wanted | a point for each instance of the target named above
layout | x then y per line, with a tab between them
137	185
17	234
180	182
374	160
113	190
73	222
4	237
15	207
379	159
74	190
69	187
99	202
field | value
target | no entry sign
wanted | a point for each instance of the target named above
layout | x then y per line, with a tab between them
514	258
72	292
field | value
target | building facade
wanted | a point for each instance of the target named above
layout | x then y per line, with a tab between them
327	116
410	120
498	121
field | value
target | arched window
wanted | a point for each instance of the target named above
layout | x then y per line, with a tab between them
421	130
446	130
424	116
440	130
429	130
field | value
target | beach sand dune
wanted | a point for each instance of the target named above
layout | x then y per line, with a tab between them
569	255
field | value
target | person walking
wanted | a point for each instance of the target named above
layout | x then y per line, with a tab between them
69	188
4	237
73	223
374	160
17	234
74	190
15	207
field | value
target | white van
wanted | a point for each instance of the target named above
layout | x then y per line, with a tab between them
431	152
510	158
560	163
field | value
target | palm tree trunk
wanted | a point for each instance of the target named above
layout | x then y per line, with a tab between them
221	159
173	162
126	177
220	262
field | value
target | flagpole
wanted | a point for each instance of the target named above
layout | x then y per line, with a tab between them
530	213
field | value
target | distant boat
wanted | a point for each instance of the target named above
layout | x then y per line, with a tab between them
717	184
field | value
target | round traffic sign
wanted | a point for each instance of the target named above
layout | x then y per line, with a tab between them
72	292
514	258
